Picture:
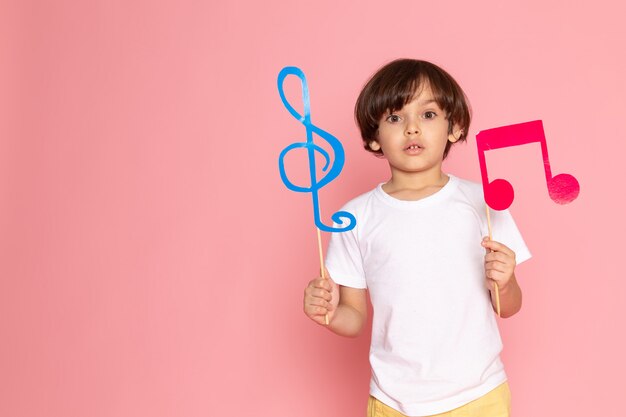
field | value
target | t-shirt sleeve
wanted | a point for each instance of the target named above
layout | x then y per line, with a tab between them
344	261
504	230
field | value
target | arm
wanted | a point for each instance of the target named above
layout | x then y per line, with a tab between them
510	298
500	269
351	312
346	307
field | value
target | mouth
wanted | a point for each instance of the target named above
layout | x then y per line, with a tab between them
412	147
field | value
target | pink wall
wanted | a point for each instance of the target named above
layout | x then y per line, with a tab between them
151	261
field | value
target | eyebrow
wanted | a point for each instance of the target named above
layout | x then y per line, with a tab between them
423	103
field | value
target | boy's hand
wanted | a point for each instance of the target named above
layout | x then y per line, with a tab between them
499	263
321	297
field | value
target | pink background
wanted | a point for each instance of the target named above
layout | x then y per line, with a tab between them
151	261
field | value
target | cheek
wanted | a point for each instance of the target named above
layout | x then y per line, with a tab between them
389	132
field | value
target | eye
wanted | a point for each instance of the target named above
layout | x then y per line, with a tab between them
393	118
429	115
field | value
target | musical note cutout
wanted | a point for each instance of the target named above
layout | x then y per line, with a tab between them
562	188
335	168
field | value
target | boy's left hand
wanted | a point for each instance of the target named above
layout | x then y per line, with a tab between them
499	263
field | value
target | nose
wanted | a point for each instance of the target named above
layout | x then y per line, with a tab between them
412	127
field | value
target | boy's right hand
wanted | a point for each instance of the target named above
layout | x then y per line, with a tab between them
321	297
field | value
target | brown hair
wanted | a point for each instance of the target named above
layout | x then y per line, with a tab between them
395	84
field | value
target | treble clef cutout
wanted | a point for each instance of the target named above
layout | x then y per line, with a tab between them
343	218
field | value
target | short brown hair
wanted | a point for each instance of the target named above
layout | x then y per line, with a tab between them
395	84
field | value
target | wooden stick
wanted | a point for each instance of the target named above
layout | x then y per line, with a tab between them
495	283
319	246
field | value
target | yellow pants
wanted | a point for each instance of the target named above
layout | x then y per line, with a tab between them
496	403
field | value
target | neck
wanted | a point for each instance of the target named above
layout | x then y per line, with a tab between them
417	180
415	185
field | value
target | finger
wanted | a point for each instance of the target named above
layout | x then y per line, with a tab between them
507	266
325	274
497	276
315	299
490	273
490	284
496	266
321	319
318	293
497	246
498	257
322	284
324	294
318	311
315	302
330	281
314	314
313	310
311	293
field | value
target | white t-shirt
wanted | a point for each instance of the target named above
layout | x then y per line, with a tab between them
435	341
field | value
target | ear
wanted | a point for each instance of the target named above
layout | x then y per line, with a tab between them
374	145
456	134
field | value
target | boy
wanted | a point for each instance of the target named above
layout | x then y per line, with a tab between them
418	251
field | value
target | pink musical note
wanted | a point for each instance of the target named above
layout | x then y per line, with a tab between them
562	188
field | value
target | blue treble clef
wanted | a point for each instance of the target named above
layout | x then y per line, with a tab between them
336	167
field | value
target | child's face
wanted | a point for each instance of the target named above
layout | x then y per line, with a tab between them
414	138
